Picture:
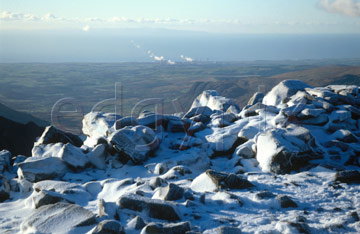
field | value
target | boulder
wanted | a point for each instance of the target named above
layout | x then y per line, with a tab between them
349	177
171	192
4	189
175	125
245	150
57	218
223	119
5	159
98	124
46	198
168	228
285	201
135	143
47	150
97	156
154	208
126	121
53	135
73	156
108	227
211	99
223	230
152	120
284	150
284	89
37	169
264	195
202	113
257	97
136	223
156	182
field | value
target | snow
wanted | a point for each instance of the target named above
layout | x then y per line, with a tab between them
203	183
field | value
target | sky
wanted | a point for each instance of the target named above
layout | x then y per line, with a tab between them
214	16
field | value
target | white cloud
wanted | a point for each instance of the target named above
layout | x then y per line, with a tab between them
159	58
86	28
344	7
170	62
15	16
187	59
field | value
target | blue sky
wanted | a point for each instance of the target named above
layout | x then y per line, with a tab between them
229	16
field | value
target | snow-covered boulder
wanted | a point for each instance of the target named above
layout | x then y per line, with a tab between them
126	121
257	97
5	158
171	192
200	111
182	227
211	99
283	90
57	218
73	156
37	169
135	142
53	135
155	208
98	124
97	156
284	150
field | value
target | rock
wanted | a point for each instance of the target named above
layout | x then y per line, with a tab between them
319	120
56	218
108	227
53	135
48	150
199	113
136	223
264	195
160	168
124	122
195	127
46	198
223	119
211	181
345	136
73	156
285	201
98	124
175	125
310	113
136	143
223	230
211	99
156	182
233	181
284	150
5	159
349	177
283	90
171	192
154	208
152	120
168	228
246	150
292	227
257	97
4	189
35	169
97	156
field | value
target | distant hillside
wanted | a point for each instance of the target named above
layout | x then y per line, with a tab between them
20	117
240	90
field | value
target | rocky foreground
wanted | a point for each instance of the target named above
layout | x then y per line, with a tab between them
288	162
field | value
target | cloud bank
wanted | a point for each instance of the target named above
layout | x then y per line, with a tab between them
344	7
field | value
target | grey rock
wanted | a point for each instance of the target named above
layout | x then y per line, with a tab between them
53	135
137	222
171	192
223	230
156	182
108	227
35	170
168	228
201	110
152	120
264	195
286	202
257	97
157	209
196	127
124	122
56	217
4	189
5	158
175	125
73	156
46	198
349	177
319	120
231	181
97	156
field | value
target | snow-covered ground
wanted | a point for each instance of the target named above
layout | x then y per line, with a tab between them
288	163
